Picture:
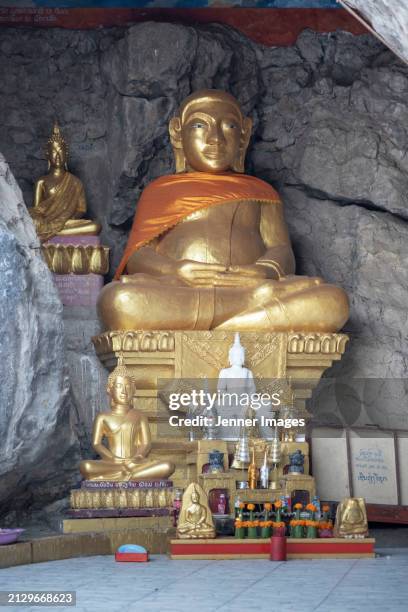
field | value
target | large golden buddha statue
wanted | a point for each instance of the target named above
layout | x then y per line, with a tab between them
127	432
59	200
209	246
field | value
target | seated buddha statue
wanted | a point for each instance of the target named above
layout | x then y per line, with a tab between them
209	247
127	433
59	200
351	518
195	520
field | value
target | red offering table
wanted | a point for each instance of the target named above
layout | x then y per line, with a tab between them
232	548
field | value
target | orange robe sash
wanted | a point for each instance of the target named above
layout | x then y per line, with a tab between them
170	199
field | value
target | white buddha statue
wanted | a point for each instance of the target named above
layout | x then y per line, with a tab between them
238	381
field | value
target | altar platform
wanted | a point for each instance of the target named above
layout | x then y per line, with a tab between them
232	548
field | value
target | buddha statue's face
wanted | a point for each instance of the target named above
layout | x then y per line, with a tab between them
236	357
57	156
210	134
194	497
121	391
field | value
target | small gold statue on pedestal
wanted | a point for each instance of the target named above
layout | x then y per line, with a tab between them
128	436
351	518
59	201
195	521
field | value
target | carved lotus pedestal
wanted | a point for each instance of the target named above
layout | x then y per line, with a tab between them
78	264
170	360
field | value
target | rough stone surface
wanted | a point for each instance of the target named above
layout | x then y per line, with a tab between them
37	446
330	132
389	18
88	378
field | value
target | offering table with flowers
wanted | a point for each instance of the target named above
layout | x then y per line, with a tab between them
253	531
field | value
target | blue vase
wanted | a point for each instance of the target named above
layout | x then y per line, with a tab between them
216	460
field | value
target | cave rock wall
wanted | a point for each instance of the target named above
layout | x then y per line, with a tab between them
330	133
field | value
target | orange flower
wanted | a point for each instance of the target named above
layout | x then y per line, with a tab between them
256	523
251	506
326	508
269	523
241	505
298	506
268	506
279	524
311	507
262	523
278	503
251	524
325	525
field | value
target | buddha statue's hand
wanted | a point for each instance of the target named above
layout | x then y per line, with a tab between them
134	461
41	209
241	276
293	278
196	273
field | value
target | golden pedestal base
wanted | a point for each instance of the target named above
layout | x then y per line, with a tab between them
76	258
154	355
121	498
150	523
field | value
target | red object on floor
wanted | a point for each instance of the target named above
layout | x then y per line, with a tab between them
135	557
278	548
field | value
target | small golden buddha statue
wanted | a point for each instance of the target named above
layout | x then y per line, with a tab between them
351	518
209	246
59	200
127	432
195	520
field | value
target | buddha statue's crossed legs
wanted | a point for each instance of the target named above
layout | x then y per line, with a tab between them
107	470
292	304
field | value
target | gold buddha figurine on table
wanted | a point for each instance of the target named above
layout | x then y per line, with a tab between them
209	246
195	520
59	200
128	438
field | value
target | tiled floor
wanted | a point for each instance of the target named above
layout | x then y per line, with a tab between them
348	585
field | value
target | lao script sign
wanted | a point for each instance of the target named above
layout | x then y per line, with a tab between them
373	468
360	463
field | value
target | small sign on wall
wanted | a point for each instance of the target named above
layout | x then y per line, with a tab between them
360	463
373	468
